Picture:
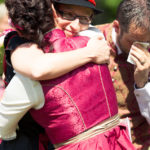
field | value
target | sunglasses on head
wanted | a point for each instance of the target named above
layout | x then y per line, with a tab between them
71	17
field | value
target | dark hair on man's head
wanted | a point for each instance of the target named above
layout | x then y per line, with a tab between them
32	18
134	11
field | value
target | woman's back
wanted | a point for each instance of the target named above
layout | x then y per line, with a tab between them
78	100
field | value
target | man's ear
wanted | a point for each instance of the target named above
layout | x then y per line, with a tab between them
116	25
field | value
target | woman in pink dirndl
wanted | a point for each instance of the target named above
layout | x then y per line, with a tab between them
77	110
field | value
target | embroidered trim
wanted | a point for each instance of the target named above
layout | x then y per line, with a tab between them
70	99
104	90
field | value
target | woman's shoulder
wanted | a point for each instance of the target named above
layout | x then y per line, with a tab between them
54	35
8	36
13	40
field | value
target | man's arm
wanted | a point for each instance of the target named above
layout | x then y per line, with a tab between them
142	85
143	99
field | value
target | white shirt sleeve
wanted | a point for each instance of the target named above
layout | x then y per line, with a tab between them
143	99
20	96
91	32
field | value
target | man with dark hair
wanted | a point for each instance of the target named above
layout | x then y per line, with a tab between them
132	24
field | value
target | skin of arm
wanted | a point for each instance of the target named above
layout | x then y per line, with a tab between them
32	62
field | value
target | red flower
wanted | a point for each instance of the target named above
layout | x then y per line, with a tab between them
93	2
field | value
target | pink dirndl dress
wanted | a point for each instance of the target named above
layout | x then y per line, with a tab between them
78	101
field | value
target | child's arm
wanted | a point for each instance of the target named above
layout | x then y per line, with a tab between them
20	96
32	62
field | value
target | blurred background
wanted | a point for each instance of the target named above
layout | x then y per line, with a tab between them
109	7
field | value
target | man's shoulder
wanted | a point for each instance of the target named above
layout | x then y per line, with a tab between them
103	26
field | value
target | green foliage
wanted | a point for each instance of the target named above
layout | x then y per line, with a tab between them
111	4
1	52
1	59
1	1
109	7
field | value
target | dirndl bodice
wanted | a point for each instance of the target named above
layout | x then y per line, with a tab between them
77	100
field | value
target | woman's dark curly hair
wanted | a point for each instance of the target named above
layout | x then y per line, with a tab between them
32	17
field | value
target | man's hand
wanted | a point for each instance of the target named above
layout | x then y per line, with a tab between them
142	68
98	50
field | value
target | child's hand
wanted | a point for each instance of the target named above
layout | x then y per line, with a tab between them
99	50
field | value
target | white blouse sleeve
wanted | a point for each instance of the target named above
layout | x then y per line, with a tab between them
20	95
91	32
143	99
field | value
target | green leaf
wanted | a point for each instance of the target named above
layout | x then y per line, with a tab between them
1	59
1	1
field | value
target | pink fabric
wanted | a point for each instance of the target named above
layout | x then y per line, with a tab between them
1	92
6	32
2	88
78	100
16	26
43	142
114	139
